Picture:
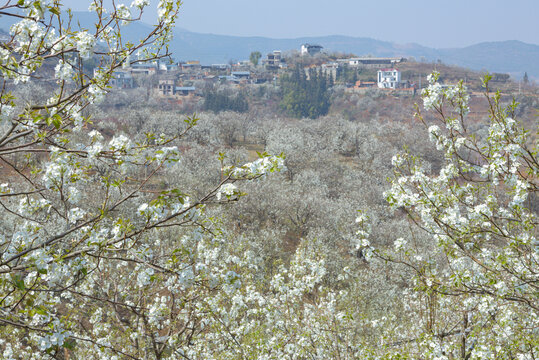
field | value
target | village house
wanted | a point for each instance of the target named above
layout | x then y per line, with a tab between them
191	66
372	62
310	49
166	67
243	64
364	84
120	79
166	87
220	67
330	69
242	75
274	60
237	77
184	90
389	78
144	68
229	79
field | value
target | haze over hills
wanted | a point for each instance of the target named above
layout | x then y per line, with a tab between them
513	57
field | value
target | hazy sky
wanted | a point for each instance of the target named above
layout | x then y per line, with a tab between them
434	23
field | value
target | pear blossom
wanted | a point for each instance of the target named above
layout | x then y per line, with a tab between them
63	71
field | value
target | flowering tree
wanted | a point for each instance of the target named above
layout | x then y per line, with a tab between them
104	254
477	280
96	259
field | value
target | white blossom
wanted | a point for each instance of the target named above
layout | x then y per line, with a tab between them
140	3
63	71
120	142
85	43
227	189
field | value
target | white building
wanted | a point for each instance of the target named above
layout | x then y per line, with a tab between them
310	49
389	78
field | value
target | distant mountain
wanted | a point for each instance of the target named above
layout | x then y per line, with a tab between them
513	57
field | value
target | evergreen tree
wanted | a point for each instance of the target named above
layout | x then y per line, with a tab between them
255	57
305	97
217	102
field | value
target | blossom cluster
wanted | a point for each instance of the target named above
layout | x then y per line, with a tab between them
477	214
69	204
265	165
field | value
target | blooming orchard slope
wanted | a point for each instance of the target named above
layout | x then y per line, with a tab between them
81	272
126	242
483	272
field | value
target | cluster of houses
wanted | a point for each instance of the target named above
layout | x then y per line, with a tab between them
177	79
388	76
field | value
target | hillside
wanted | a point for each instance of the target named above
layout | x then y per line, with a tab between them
513	57
503	56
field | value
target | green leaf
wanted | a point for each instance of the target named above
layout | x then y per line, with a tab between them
54	10
56	121
69	344
41	311
19	282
